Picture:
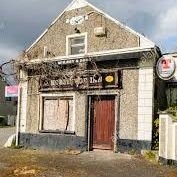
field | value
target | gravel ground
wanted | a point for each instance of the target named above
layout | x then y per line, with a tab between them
5	133
34	163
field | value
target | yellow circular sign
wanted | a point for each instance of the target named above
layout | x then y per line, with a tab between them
109	79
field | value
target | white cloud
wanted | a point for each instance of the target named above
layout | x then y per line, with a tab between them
8	52
156	19
167	24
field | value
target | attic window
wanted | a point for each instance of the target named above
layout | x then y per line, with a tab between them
76	44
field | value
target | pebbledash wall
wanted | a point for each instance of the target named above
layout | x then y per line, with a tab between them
134	102
55	37
134	122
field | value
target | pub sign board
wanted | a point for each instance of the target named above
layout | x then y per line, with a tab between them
166	67
103	80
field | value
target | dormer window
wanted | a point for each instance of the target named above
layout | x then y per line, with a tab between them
76	44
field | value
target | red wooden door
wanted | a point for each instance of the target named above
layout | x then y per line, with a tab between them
103	122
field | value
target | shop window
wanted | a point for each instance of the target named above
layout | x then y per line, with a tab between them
58	115
76	44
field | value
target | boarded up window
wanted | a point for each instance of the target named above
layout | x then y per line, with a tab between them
58	114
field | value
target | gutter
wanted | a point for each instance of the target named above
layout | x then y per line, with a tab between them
93	54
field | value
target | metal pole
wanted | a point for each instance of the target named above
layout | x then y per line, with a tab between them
18	116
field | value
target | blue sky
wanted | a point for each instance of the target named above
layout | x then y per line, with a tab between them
22	21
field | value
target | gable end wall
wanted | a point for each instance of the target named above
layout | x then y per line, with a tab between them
55	39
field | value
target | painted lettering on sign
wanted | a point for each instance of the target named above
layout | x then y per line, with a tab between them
103	80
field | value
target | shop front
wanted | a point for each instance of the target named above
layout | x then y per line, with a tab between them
87	83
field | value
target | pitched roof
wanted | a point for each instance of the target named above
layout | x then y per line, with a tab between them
75	4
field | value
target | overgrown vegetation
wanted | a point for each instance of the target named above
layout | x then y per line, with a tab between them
155	134
173	111
151	156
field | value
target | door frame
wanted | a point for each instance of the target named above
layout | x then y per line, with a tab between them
117	109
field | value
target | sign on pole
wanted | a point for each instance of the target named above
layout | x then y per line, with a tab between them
166	67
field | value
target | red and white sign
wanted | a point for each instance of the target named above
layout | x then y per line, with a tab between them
166	67
11	91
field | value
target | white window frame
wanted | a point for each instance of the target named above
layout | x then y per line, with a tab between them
56	96
68	47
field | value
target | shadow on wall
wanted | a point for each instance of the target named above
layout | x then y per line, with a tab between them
160	95
160	104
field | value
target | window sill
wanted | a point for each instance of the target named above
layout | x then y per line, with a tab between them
58	132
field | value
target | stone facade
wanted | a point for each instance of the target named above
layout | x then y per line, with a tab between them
129	106
117	37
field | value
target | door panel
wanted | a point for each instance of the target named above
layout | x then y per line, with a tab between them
103	121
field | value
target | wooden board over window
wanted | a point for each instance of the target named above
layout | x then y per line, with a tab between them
58	114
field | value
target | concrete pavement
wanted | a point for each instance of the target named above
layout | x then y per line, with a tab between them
5	133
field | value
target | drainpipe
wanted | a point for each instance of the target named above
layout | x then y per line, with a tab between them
89	122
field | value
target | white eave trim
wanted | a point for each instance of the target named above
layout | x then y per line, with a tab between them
144	42
93	54
76	4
